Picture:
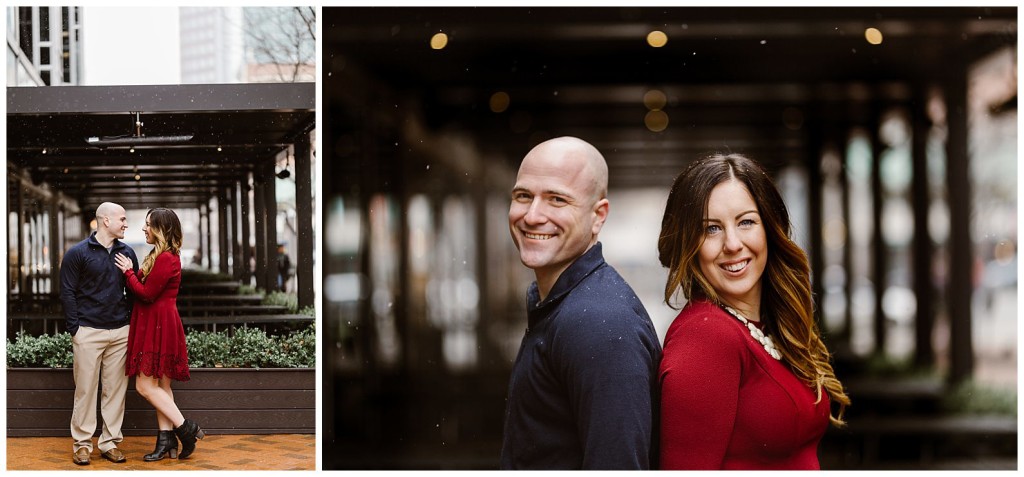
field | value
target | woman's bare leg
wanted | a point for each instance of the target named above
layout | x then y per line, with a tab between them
158	393
165	385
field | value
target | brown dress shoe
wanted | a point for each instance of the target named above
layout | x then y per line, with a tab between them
81	456
114	455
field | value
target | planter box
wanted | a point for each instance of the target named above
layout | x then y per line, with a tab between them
222	401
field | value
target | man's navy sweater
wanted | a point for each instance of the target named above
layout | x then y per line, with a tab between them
92	289
583	391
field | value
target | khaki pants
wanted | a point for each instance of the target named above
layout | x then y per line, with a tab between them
99	354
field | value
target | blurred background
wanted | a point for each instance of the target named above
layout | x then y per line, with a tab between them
892	133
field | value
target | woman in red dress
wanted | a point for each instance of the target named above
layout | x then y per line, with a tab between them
156	338
746	380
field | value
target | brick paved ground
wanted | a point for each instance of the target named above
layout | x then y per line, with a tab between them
215	452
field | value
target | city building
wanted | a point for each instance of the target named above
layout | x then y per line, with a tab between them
44	46
247	45
211	45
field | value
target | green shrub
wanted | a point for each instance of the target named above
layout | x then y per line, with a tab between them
254	347
207	349
249	290
246	348
46	351
883	365
309	310
300	347
973	398
280	298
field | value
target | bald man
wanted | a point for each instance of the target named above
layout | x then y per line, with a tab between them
97	310
583	391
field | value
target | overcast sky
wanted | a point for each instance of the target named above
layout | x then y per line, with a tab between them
129	45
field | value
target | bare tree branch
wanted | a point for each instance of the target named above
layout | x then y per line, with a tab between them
308	15
283	37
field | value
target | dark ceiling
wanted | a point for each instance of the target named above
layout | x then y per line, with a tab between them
234	127
731	75
556	46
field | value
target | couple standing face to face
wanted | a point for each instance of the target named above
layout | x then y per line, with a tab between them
112	222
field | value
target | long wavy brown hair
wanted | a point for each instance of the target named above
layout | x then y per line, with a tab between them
787	309
165	228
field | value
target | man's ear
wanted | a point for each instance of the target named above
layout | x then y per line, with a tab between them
600	215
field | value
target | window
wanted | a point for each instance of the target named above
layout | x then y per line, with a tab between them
44	24
25	31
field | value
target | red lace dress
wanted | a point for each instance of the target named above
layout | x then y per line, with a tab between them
156	338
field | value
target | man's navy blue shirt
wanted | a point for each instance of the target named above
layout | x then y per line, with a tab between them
92	288
583	391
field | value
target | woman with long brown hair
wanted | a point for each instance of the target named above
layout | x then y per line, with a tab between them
746	379
156	337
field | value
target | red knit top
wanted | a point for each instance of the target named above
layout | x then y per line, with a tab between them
727	404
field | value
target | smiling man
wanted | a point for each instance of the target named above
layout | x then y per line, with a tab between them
583	391
97	310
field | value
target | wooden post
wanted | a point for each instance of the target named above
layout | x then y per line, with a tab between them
222	230
246	211
260	183
961	281
924	323
269	253
305	247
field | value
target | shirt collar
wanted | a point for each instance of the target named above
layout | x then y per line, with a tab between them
583	266
93	241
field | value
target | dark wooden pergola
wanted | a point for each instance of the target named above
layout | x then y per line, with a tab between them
179	146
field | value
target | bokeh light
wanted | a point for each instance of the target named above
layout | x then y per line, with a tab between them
656	121
439	41
499	102
873	36
655	100
1004	252
657	38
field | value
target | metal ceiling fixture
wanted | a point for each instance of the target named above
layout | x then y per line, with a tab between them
136	138
285	173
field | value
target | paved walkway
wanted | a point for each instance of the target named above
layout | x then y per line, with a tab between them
215	452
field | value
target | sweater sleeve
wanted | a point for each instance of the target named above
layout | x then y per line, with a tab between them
130	297
700	379
163	271
608	365
70	271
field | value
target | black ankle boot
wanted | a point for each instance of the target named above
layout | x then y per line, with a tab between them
166	446
187	433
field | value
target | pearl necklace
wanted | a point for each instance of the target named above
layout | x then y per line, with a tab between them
756	333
